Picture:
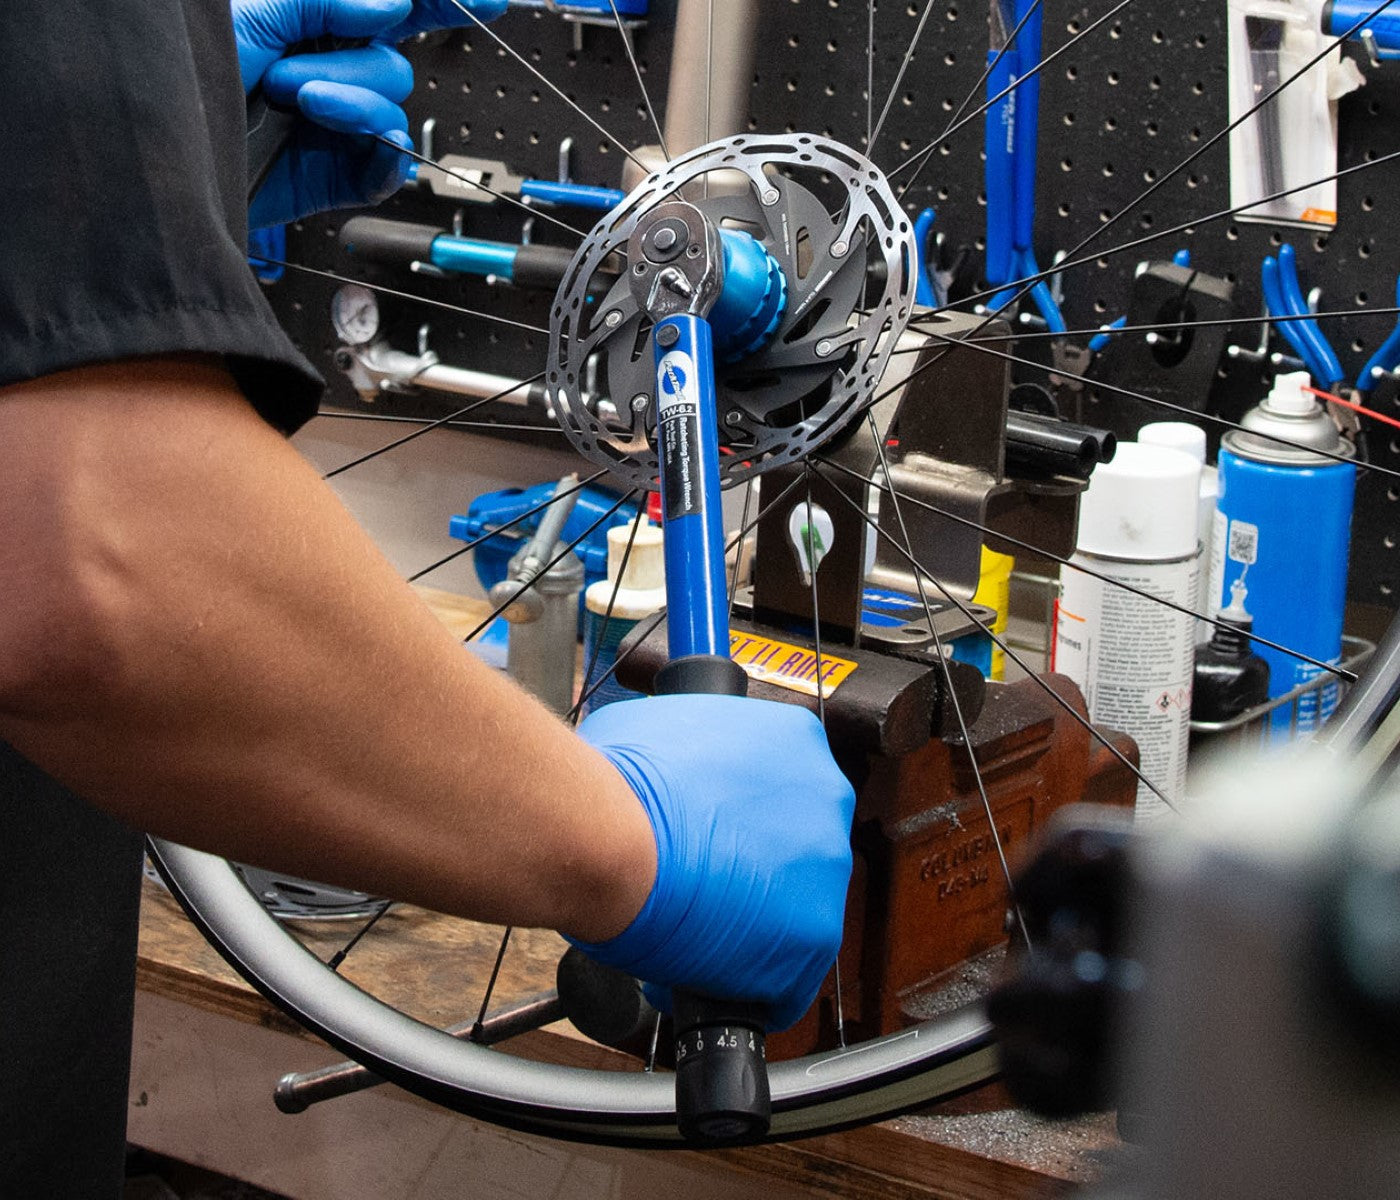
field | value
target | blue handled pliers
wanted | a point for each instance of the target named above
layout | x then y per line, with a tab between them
1011	136
1386	358
1283	297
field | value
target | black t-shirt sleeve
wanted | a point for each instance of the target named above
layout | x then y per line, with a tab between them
123	204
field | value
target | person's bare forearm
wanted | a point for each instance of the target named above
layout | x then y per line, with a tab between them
195	635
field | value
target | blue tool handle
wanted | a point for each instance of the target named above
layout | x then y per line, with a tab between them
721	1074
1350	18
1385	358
1320	356
1027	123
1000	132
923	232
576	195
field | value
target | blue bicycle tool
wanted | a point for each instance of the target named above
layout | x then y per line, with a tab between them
482	180
1386	358
1283	297
1358	20
676	265
1011	143
925	291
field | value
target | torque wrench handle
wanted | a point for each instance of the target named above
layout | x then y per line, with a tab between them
722	1091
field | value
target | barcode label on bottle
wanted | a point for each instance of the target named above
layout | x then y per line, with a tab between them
1244	542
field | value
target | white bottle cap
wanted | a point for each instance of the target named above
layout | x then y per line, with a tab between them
1288	395
1179	435
1142	505
646	565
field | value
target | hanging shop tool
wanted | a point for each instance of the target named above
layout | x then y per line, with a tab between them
484	180
1011	144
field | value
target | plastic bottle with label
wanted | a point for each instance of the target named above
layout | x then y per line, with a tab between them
1283	525
617	604
1191	439
1132	656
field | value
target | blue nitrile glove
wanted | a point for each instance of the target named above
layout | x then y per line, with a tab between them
346	95
752	820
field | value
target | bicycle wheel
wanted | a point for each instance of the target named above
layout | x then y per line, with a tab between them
776	420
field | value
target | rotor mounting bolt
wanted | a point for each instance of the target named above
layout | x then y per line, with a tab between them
640	401
824	347
838	249
668	335
733	417
666	241
613	319
770	196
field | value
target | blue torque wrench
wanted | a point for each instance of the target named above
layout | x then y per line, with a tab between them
676	261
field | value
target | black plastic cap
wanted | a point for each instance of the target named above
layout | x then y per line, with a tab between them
702	674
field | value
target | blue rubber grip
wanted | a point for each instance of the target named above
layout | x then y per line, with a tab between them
1350	18
576	195
687	435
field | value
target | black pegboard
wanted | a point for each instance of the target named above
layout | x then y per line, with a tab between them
1118	111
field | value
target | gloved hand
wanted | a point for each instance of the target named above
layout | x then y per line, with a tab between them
347	96
752	820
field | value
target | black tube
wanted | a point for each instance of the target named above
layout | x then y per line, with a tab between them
541	266
1039	446
396	243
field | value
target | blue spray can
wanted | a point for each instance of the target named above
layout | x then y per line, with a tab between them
1283	526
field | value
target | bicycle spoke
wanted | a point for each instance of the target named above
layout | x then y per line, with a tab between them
331	415
869	96
607	615
968	522
478	1024
551	564
438	424
1068	263
641	83
941	652
1165	326
657	618
395	292
501	528
1009	651
336	959
927	152
1181	409
815	565
544	79
463	177
1024	286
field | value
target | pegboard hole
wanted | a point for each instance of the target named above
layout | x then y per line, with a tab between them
1110	123
1069	118
1108	170
1113	78
1071	72
1064	210
1116	31
1362	298
1368	203
1363	250
1066	165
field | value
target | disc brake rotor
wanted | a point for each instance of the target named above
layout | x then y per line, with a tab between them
846	251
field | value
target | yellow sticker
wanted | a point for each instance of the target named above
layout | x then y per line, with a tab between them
786	666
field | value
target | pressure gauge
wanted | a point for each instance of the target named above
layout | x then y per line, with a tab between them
355	314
